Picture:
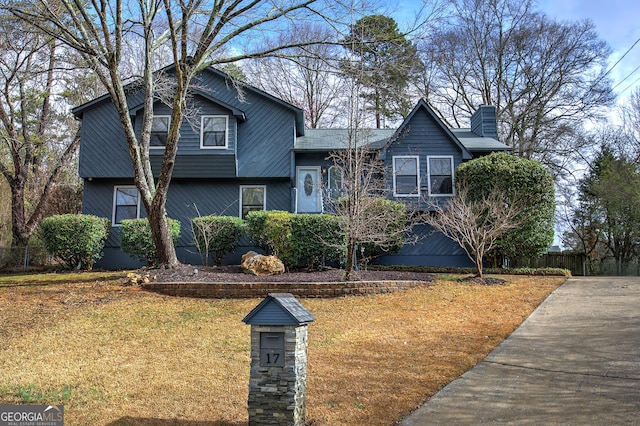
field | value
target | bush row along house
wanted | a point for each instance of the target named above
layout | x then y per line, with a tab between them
237	156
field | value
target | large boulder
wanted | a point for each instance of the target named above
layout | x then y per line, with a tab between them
261	265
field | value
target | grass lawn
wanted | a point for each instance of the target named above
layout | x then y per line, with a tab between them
117	355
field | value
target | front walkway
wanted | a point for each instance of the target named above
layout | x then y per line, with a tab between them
574	361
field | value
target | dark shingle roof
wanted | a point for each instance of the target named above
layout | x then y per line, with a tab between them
279	309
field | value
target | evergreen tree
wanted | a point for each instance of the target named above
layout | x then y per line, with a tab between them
382	61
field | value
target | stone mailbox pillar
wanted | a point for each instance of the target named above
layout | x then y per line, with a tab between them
277	386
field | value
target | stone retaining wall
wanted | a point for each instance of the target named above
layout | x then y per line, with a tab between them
250	290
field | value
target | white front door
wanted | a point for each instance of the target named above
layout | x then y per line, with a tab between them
309	190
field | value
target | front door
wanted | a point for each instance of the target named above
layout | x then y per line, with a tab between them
308	190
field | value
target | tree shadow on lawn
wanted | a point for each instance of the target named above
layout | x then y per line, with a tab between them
139	421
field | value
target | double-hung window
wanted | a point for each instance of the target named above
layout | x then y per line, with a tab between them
406	176
252	197
440	171
126	204
213	132
159	131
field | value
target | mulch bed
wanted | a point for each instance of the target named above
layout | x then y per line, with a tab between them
233	273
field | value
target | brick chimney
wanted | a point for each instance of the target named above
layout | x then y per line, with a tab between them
484	122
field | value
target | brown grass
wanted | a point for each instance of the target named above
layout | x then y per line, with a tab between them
118	355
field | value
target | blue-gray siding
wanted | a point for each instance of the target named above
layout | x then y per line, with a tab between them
186	200
262	144
422	137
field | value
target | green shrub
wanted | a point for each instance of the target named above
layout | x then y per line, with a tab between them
217	234
523	181
316	238
277	231
136	240
392	228
75	239
255	225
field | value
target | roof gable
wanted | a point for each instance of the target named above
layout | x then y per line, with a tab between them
422	105
279	309
298	113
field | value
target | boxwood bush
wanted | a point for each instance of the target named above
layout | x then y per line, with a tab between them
255	226
277	231
75	240
135	238
316	239
218	235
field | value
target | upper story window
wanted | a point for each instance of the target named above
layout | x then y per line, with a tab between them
159	131
126	204
252	197
214	132
440	171
406	176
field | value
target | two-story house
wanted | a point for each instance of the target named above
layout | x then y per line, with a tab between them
238	154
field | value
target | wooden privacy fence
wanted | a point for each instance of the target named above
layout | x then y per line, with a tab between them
575	262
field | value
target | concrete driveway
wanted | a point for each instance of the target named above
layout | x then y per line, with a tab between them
574	361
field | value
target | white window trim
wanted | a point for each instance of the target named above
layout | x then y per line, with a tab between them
226	133
264	198
115	198
417	158
169	126
450	158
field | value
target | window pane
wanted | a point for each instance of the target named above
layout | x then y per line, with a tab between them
126	197
159	130
440	166
214	131
160	124
214	139
215	124
406	185
406	175
126	204
441	185
406	166
335	178
252	199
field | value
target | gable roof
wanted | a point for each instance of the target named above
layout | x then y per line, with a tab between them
298	113
422	104
279	309
324	140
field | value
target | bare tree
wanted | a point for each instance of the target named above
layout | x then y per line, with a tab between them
475	224
303	76
194	33
546	78
38	138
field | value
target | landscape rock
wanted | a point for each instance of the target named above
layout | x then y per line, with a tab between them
261	265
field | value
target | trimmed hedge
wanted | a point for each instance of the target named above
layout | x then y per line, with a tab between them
218	235
277	231
316	239
75	239
297	239
255	225
135	238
